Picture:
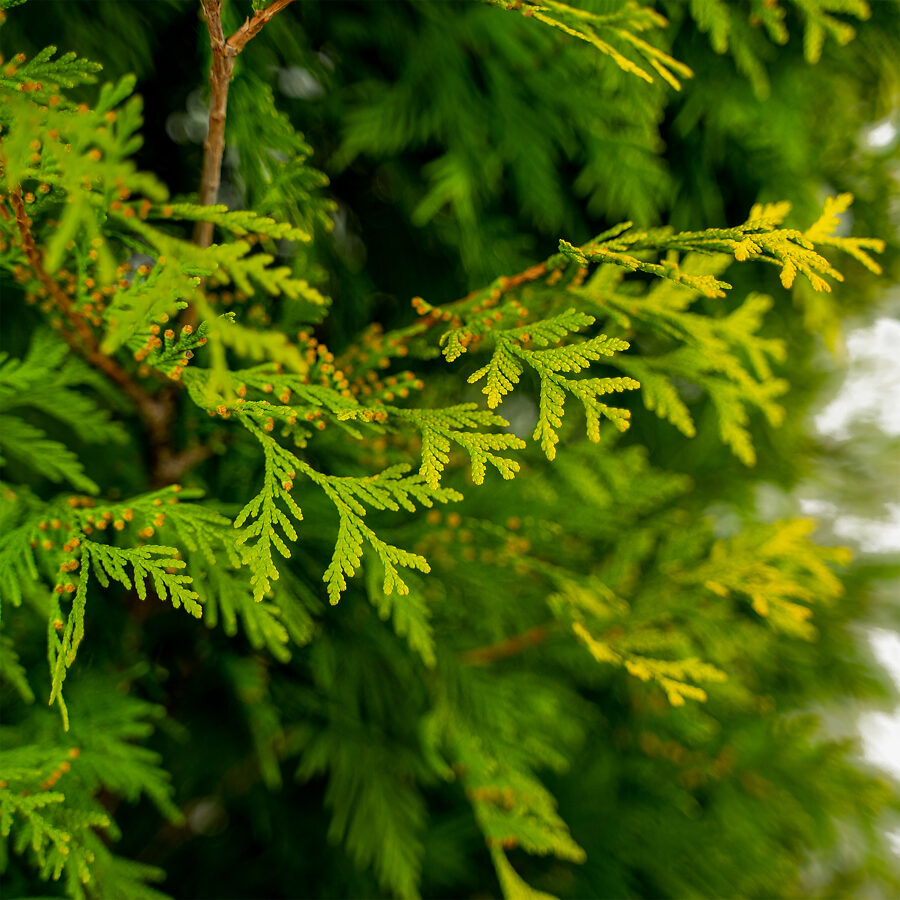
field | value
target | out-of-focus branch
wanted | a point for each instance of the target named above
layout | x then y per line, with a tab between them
254	25
513	646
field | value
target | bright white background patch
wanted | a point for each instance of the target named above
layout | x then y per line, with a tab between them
871	394
881	135
881	731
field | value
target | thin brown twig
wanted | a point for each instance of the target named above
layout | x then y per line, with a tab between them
224	51
172	466
83	339
445	312
214	147
512	646
155	412
254	25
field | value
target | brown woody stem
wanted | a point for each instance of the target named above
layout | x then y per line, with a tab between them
513	646
254	25
155	412
83	339
224	51
214	147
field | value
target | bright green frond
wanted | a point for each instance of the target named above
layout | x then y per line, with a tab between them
267	517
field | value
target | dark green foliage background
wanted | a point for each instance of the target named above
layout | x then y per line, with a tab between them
545	140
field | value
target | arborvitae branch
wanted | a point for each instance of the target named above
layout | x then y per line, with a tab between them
604	31
633	591
85	343
154	412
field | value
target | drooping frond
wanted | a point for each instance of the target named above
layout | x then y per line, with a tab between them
45	74
239	222
155	565
679	678
31	447
268	624
512	807
12	671
49	811
759	238
391	490
266	516
376	810
511	354
822	232
779	569
496	765
46	380
512	884
409	615
614	34
460	425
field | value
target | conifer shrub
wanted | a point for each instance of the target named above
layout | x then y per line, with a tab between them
310	589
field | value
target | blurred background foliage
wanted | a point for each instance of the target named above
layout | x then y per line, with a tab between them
461	142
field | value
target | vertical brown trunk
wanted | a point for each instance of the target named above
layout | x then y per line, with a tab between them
214	146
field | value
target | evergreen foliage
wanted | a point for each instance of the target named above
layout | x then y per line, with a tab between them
594	681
